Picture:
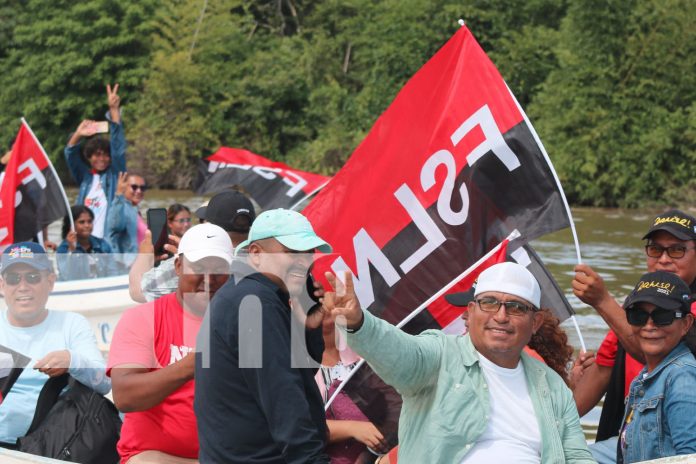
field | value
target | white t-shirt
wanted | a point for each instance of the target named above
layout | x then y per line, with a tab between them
96	201
512	433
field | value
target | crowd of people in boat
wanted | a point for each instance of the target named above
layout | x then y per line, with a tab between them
234	352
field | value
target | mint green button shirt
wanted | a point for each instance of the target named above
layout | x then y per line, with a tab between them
446	402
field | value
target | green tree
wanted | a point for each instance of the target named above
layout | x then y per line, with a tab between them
616	114
61	56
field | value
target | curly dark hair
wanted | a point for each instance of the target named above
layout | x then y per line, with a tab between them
96	144
75	211
551	342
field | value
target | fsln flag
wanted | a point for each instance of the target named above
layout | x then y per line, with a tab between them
270	183
447	172
31	195
12	364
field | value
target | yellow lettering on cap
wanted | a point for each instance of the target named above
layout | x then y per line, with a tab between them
652	284
684	222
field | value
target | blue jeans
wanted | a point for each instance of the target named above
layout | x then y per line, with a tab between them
605	451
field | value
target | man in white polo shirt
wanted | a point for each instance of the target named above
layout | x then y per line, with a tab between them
475	398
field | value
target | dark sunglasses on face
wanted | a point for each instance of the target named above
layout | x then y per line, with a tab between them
660	317
654	250
512	308
14	278
137	187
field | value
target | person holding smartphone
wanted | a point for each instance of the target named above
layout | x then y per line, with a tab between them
95	168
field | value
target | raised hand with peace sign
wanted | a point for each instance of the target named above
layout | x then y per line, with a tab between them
114	102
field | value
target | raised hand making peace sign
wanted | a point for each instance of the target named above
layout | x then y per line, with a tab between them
114	102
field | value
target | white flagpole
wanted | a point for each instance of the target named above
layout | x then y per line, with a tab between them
53	170
563	197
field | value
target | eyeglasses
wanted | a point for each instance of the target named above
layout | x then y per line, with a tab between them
660	317
183	220
137	187
654	250
14	278
512	308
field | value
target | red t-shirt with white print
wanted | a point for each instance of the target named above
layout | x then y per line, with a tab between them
155	335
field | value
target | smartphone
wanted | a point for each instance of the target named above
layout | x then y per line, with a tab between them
157	223
100	127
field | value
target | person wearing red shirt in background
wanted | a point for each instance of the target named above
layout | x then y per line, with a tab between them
670	247
150	363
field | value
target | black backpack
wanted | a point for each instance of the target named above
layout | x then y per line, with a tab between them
79	426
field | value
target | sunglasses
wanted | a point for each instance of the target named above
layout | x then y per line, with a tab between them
512	308
137	187
14	278
660	317
673	251
183	220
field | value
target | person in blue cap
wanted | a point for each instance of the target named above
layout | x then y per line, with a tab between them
57	341
252	403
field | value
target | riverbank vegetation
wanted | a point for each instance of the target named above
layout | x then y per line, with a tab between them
609	84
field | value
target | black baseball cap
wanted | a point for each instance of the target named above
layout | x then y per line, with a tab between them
675	222
461	298
231	210
663	289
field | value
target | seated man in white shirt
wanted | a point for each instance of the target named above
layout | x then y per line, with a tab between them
475	398
57	341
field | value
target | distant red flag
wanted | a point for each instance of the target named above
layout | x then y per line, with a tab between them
31	195
270	183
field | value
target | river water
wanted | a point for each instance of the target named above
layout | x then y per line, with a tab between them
610	242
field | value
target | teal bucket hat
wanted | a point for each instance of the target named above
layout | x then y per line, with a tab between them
290	228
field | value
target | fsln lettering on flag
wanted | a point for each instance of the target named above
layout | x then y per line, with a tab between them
31	194
446	174
270	183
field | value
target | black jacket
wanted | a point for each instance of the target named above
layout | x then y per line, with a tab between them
268	412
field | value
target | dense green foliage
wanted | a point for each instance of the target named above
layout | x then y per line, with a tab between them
608	84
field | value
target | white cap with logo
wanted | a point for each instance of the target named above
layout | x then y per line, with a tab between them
204	241
511	278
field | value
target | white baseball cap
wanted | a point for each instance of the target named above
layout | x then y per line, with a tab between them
204	241
511	278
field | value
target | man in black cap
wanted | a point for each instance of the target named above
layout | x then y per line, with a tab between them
231	210
671	247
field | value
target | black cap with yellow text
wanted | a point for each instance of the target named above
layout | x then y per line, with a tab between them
675	222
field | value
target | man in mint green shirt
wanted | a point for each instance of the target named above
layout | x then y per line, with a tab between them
475	398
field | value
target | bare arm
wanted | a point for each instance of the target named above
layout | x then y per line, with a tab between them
364	432
589	287
137	388
590	388
143	263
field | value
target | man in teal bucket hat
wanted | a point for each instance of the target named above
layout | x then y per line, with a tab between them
252	401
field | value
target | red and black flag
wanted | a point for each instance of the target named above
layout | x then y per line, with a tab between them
451	179
31	194
446	174
270	183
12	364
